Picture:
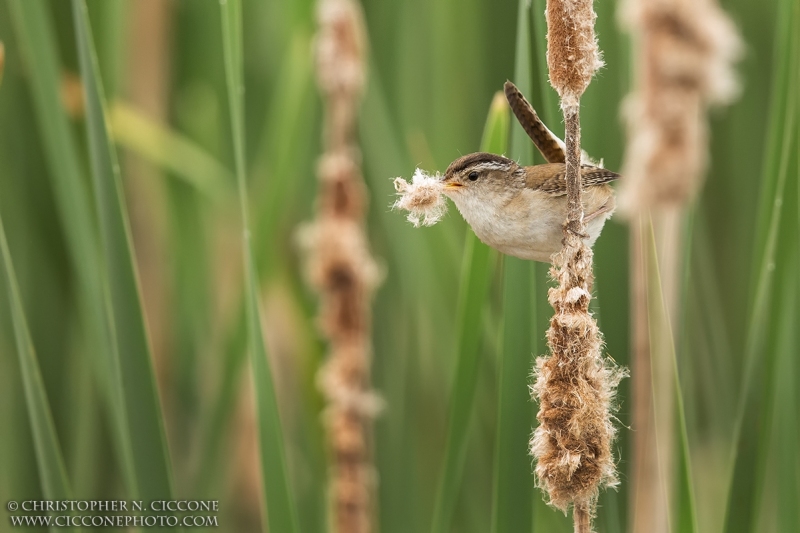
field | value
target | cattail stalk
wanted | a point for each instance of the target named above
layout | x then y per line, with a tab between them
575	385
2	60
342	270
683	52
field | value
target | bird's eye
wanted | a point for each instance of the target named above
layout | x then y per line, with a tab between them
473	175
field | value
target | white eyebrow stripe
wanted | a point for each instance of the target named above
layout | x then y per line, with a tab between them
489	165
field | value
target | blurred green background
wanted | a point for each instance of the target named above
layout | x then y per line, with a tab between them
433	69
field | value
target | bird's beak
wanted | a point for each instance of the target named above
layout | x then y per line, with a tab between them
449	184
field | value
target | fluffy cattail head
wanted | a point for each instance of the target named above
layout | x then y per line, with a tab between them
686	52
575	387
341	268
341	47
341	58
572	53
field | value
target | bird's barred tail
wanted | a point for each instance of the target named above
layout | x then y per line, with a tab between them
547	143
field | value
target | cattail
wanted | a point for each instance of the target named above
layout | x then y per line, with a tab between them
2	60
683	55
340	267
572	53
684	65
575	385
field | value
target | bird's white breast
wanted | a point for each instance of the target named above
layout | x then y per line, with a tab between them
527	225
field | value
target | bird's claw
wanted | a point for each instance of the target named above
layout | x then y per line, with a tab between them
577	233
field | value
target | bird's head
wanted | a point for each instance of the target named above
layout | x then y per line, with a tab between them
480	175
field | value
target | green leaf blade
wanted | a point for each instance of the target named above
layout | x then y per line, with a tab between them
513	479
278	503
143	413
52	473
169	149
752	428
475	281
35	31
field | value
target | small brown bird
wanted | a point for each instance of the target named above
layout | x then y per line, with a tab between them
521	210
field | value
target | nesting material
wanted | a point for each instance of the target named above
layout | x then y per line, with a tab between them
572	52
422	198
687	50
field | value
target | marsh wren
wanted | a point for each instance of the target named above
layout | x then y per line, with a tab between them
520	210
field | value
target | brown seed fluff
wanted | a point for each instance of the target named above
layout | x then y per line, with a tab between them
685	51
575	387
572	53
341	269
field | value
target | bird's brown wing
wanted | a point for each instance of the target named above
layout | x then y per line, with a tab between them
544	139
552	178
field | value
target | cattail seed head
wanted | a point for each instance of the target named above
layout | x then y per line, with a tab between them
341	48
684	65
572	52
341	268
575	387
575	384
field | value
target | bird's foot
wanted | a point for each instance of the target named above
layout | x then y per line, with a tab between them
576	233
